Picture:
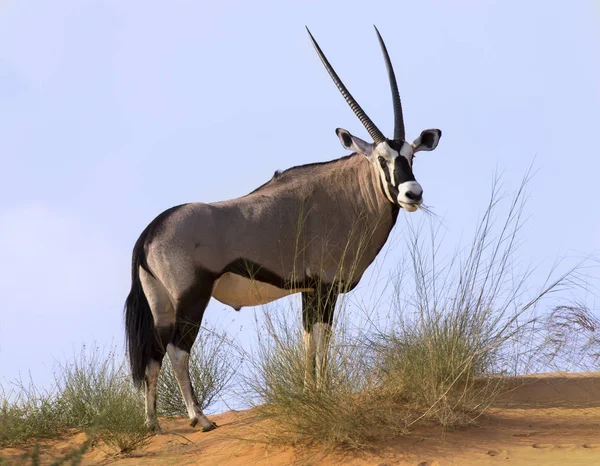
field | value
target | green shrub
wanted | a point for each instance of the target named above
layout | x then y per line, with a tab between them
95	394
26	412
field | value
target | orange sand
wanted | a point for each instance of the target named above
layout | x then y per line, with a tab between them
554	419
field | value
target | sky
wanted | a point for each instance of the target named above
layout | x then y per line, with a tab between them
111	112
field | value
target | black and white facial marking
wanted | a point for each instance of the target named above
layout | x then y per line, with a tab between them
393	160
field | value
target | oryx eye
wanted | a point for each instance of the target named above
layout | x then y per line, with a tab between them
382	161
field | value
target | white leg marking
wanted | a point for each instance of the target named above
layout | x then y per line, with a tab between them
316	344
310	348
180	361
321	332
152	372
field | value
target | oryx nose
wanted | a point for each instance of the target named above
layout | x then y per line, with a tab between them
414	196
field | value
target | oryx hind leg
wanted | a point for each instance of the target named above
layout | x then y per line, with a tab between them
163	314
189	318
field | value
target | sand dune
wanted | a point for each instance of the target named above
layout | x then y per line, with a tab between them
547	419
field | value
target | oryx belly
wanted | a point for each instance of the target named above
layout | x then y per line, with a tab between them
237	291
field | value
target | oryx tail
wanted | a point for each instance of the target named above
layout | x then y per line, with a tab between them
139	323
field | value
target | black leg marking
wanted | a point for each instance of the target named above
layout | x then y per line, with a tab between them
318	306
189	313
163	336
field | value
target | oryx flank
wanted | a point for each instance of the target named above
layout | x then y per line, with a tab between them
312	229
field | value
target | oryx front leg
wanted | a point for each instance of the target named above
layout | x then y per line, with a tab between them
317	317
316	344
321	335
310	347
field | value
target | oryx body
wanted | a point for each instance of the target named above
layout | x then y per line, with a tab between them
312	229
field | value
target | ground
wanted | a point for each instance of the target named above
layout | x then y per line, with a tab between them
554	419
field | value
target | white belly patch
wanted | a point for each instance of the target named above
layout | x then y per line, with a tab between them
237	291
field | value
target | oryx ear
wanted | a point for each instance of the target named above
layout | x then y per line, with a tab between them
353	143
428	140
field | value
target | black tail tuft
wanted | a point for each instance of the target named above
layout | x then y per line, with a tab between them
139	323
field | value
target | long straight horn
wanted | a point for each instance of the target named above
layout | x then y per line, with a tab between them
398	118
360	113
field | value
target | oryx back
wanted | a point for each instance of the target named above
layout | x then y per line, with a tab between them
285	237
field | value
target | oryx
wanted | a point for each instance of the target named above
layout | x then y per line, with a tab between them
312	229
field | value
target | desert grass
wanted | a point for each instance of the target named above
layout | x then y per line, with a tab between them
27	412
456	329
93	393
572	338
347	410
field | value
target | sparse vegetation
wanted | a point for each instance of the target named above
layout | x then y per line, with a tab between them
461	320
347	410
457	329
572	338
26	412
94	394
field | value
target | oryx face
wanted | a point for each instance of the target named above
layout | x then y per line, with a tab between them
392	158
393	161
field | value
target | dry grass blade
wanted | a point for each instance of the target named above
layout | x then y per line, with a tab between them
573	338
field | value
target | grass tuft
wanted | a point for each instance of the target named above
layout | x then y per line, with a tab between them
26	412
93	393
467	322
346	411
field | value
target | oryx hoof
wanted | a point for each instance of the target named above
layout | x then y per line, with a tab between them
208	428
207	424
154	426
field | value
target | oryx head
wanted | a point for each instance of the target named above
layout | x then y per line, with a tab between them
392	158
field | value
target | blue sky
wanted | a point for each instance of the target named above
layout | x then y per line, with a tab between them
111	112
